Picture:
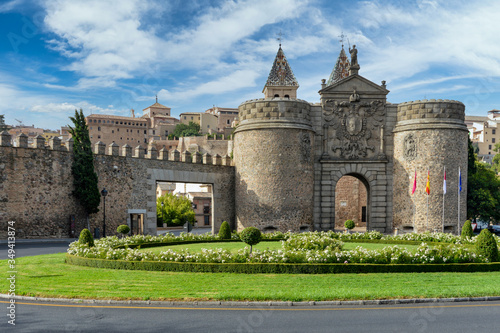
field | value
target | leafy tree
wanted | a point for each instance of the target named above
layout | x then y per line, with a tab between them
84	176
252	236
193	129
175	211
483	193
3	127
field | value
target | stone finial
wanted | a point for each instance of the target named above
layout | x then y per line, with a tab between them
5	139
22	140
226	160
323	83
207	158
126	150
197	158
55	143
113	149
99	148
69	144
217	160
152	152
139	152
163	154
175	155
39	142
186	157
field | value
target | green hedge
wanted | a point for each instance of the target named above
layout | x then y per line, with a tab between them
158	244
256	268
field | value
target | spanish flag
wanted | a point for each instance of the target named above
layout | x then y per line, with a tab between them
428	185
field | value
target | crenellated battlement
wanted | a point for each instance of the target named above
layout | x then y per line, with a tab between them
275	108
432	109
100	148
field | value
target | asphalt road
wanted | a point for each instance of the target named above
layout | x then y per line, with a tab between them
24	249
66	317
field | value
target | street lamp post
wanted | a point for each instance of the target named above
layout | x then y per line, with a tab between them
104	193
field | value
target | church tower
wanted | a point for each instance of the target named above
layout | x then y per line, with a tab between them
281	81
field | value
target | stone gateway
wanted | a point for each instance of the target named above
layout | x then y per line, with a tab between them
290	159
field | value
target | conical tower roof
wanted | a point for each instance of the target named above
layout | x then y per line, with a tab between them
281	74
341	69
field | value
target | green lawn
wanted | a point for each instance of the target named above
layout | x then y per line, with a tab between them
235	246
49	276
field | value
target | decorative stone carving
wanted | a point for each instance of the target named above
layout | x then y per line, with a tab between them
354	123
305	147
410	147
354	56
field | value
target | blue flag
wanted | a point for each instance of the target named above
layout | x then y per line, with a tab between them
459	180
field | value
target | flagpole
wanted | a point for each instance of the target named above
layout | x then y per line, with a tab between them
444	192
459	190
427	226
414	203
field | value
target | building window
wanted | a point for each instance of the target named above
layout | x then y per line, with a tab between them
207	219
118	130
112	131
194	205
493	140
137	131
98	128
98	136
363	214
90	127
493	131
184	117
153	132
145	132
191	118
99	121
229	122
489	147
145	140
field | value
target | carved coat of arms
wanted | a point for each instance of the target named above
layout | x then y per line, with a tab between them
352	126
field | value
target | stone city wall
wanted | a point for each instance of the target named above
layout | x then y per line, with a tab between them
36	185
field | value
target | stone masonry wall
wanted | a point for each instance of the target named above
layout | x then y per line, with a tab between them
350	197
429	145
36	186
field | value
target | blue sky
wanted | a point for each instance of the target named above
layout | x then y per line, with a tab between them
111	56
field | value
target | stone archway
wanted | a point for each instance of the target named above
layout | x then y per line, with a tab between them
376	179
351	202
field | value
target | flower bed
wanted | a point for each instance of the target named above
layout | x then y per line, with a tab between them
311	247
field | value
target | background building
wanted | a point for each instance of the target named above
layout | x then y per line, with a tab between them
484	134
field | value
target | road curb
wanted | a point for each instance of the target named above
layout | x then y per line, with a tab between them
249	304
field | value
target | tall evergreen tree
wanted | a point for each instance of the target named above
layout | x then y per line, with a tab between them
84	176
3	127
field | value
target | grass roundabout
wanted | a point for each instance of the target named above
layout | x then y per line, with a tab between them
51	276
305	253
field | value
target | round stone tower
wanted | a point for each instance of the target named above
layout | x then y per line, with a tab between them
430	138
273	160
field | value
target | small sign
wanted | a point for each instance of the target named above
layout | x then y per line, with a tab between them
474	226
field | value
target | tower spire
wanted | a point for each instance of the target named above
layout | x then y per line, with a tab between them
281	81
341	69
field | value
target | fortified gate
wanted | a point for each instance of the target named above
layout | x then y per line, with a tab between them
290	155
291	160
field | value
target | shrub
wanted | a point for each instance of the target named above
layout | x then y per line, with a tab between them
251	236
486	245
349	224
86	238
224	231
467	230
123	229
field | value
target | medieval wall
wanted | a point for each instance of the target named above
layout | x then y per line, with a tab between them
36	186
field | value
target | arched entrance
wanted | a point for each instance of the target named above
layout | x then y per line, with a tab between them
351	202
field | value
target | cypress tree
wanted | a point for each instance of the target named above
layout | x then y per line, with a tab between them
84	176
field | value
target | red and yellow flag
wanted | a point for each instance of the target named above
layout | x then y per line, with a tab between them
428	185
